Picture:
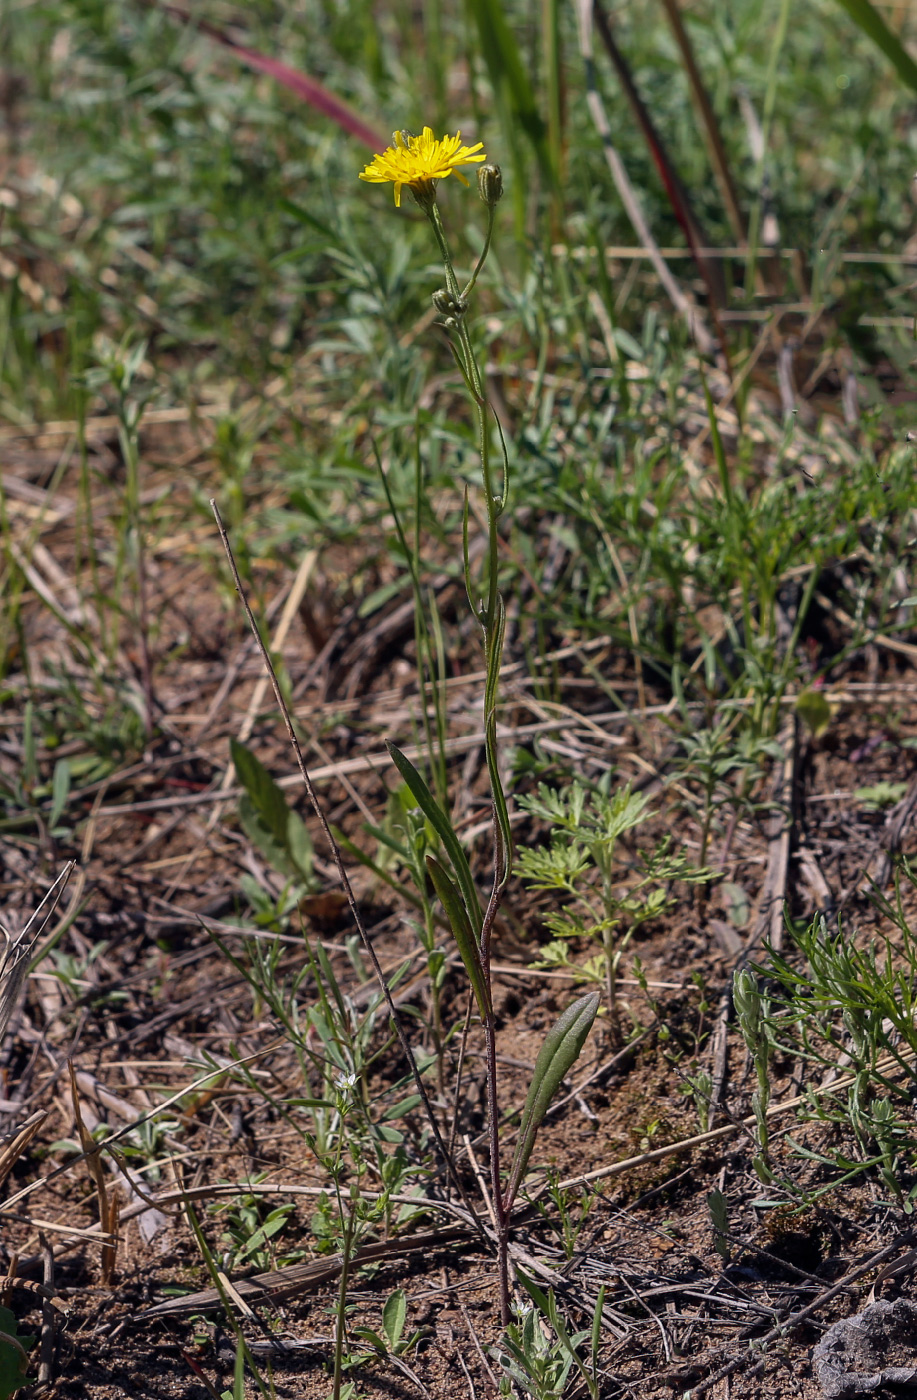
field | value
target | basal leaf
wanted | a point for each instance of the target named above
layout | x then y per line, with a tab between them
559	1052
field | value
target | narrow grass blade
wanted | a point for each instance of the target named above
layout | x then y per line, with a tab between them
299	83
507	71
214	1271
559	1052
552	58
874	27
462	932
443	828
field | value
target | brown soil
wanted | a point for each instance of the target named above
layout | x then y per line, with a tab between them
143	996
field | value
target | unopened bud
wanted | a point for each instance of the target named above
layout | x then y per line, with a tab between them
447	305
490	184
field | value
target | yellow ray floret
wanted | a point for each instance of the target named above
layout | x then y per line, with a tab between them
415	160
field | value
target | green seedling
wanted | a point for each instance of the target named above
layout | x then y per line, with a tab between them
700	1088
393	1341
605	902
14	1350
539	1364
252	1234
752	1013
270	823
572	1217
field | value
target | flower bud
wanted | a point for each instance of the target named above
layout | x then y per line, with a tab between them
490	184
447	305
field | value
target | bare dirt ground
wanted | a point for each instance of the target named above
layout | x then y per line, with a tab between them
140	996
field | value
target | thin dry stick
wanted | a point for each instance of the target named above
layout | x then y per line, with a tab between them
344	878
7	1206
13	1149
290	608
48	1316
631	610
883	1066
787	1324
15	959
482	1184
108	1207
463	1046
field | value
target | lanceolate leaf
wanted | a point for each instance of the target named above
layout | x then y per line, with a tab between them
443	828
393	1316
559	1052
279	833
461	928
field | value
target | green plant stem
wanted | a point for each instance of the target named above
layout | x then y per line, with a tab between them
340	1320
491	216
338	859
491	619
128	426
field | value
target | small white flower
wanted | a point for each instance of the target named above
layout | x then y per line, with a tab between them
346	1081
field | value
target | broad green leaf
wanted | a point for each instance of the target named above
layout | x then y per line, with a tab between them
366	1334
462	932
444	830
13	1355
393	1316
559	1052
398	1110
271	825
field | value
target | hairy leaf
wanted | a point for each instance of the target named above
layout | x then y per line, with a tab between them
559	1052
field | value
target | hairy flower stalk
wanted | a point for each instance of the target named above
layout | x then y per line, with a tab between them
419	162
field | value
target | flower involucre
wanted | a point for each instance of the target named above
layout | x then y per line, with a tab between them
417	160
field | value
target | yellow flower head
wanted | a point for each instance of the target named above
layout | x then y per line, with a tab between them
418	160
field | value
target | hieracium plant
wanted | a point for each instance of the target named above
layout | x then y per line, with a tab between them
419	163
